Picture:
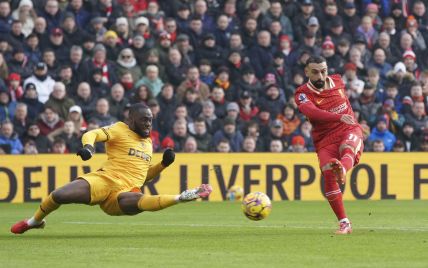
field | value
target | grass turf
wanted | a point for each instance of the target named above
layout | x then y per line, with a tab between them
297	234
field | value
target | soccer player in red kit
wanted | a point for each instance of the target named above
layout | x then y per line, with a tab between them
337	136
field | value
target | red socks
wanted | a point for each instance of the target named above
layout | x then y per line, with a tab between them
333	194
347	158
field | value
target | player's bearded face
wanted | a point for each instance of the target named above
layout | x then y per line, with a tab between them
142	124
318	83
317	73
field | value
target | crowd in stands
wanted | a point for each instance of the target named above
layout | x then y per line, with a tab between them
218	75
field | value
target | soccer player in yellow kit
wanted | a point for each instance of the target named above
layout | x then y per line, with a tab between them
116	186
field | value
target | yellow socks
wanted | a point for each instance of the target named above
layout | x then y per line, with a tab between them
156	202
47	206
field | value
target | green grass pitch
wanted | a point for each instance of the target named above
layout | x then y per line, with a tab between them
201	234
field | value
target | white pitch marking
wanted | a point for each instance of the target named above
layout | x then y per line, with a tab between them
411	229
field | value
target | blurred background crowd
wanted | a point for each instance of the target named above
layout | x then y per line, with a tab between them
218	75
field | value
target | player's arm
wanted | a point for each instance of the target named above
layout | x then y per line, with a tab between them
167	159
88	141
315	114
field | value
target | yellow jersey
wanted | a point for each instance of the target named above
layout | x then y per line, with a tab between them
129	155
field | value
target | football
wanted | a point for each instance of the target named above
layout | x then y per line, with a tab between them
235	193
256	206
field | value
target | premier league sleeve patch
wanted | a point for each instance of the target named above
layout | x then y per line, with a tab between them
303	98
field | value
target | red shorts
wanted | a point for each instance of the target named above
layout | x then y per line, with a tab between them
353	138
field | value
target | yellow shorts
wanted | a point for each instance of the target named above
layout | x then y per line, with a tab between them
105	188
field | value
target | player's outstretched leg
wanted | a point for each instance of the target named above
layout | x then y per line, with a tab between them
334	197
74	192
133	203
158	202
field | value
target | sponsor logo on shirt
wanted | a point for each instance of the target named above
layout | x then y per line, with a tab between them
339	109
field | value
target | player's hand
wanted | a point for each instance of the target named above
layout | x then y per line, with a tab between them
347	119
86	152
168	157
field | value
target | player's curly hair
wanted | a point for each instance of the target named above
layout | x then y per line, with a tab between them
315	59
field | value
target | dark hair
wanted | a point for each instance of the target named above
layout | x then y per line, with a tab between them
315	59
137	108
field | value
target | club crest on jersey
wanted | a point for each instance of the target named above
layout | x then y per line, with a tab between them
303	98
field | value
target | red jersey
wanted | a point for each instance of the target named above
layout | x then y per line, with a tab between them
324	109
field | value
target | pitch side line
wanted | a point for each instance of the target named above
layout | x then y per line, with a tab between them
405	229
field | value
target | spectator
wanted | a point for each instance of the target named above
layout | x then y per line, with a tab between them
76	64
304	130
395	119
102	113
75	116
26	15
59	101
210	50
206	74
275	13
289	120
223	80
7	106
143	94
86	99
381	132
49	121
247	108
193	81
167	103
176	68
297	144
201	135
273	100
231	133
5	17
211	119
68	134
42	142
334	62
192	104
179	134
190	145
35	107
250	83
417	116
223	146
73	34
80	13
99	87
261	55
18	64
111	43
20	120
276	146
117	101
368	105
42	81
126	62
151	79
409	138
249	145
30	147
59	147
10	138
99	60
378	146
368	31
